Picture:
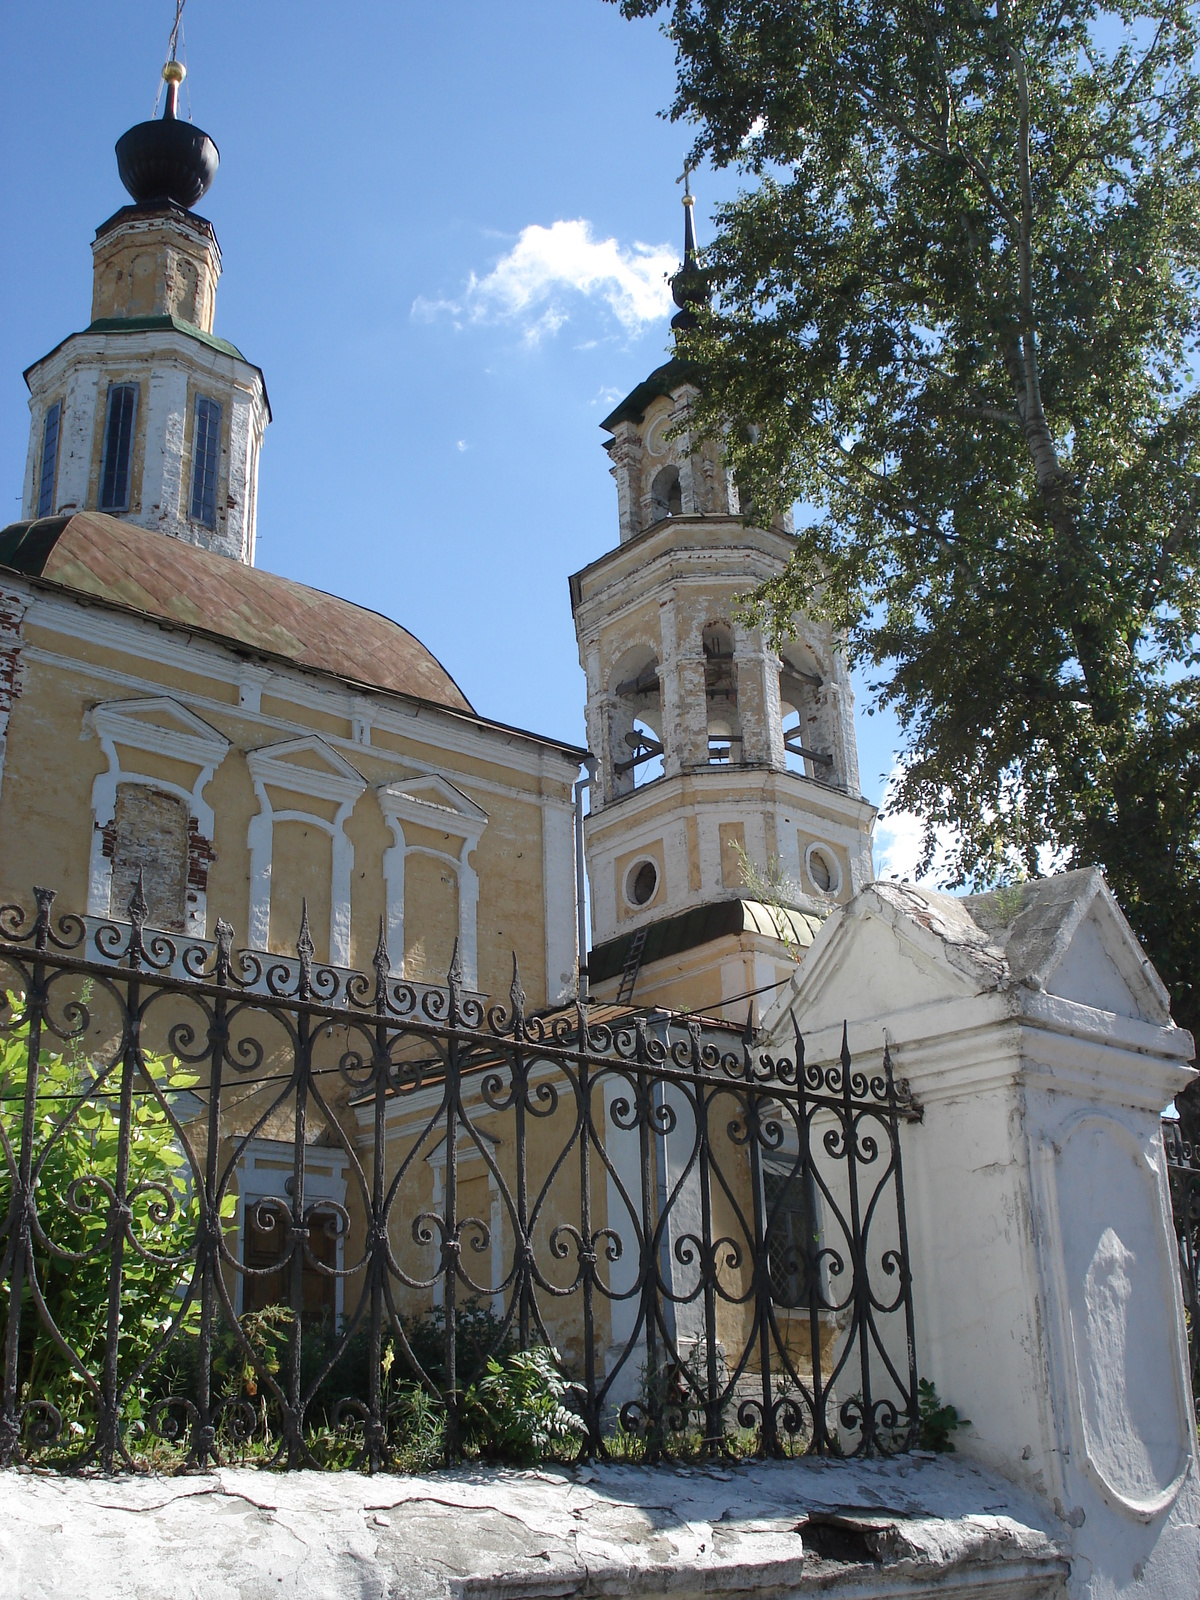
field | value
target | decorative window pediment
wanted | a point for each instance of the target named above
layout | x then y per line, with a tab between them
306	766
161	726
433	802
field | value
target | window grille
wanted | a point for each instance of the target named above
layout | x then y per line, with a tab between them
207	440
118	446
45	503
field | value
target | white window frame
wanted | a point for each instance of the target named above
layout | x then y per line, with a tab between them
340	783
432	802
126	722
264	1172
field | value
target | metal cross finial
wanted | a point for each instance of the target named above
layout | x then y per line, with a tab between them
179	5
685	178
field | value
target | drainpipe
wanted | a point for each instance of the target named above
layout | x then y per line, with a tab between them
589	763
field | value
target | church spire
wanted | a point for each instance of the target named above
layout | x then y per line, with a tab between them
161	422
688	288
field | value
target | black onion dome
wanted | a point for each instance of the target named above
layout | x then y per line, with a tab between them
167	160
689	288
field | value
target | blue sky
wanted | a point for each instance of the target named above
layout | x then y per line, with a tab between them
445	230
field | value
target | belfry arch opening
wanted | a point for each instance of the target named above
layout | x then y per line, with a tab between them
721	696
666	494
800	684
635	721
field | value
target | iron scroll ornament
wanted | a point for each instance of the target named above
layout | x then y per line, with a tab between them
641	1176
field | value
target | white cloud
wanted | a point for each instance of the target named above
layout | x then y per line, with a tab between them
534	284
898	841
462	444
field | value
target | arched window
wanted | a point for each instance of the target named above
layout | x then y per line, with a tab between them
720	695
666	497
800	682
635	721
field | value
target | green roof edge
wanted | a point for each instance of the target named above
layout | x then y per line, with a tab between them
663	380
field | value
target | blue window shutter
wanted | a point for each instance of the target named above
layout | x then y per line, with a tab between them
118	446
45	500
206	448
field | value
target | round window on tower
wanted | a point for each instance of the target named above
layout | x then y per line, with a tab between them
641	883
823	870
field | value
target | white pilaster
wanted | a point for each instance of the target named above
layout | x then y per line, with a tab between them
75	440
561	914
668	680
237	541
162	475
393	879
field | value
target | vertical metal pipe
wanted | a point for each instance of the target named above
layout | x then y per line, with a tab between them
580	874
376	1441
769	1443
523	1243
812	1261
294	1420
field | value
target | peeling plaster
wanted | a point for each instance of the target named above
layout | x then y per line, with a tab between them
500	1535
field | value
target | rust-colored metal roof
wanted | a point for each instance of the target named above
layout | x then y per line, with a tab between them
117	561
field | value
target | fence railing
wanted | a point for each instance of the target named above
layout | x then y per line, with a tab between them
248	1201
1183	1177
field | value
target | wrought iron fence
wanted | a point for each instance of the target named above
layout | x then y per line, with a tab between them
1183	1177
709	1239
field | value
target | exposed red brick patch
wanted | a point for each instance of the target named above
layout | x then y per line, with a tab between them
200	854
12	613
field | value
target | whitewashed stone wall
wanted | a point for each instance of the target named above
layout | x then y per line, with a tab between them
1036	1037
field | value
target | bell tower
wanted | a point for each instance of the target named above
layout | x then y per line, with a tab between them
147	414
722	767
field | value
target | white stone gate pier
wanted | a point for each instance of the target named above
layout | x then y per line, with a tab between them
1037	1038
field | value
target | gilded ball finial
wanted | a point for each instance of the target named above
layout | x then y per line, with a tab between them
174	72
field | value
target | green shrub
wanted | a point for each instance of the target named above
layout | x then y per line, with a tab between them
517	1413
76	1134
936	1421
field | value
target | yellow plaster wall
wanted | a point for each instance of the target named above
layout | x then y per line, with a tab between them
508	860
430	917
52	762
370	836
733	838
154	269
301	866
46	798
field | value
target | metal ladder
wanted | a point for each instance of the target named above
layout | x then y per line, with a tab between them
633	964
